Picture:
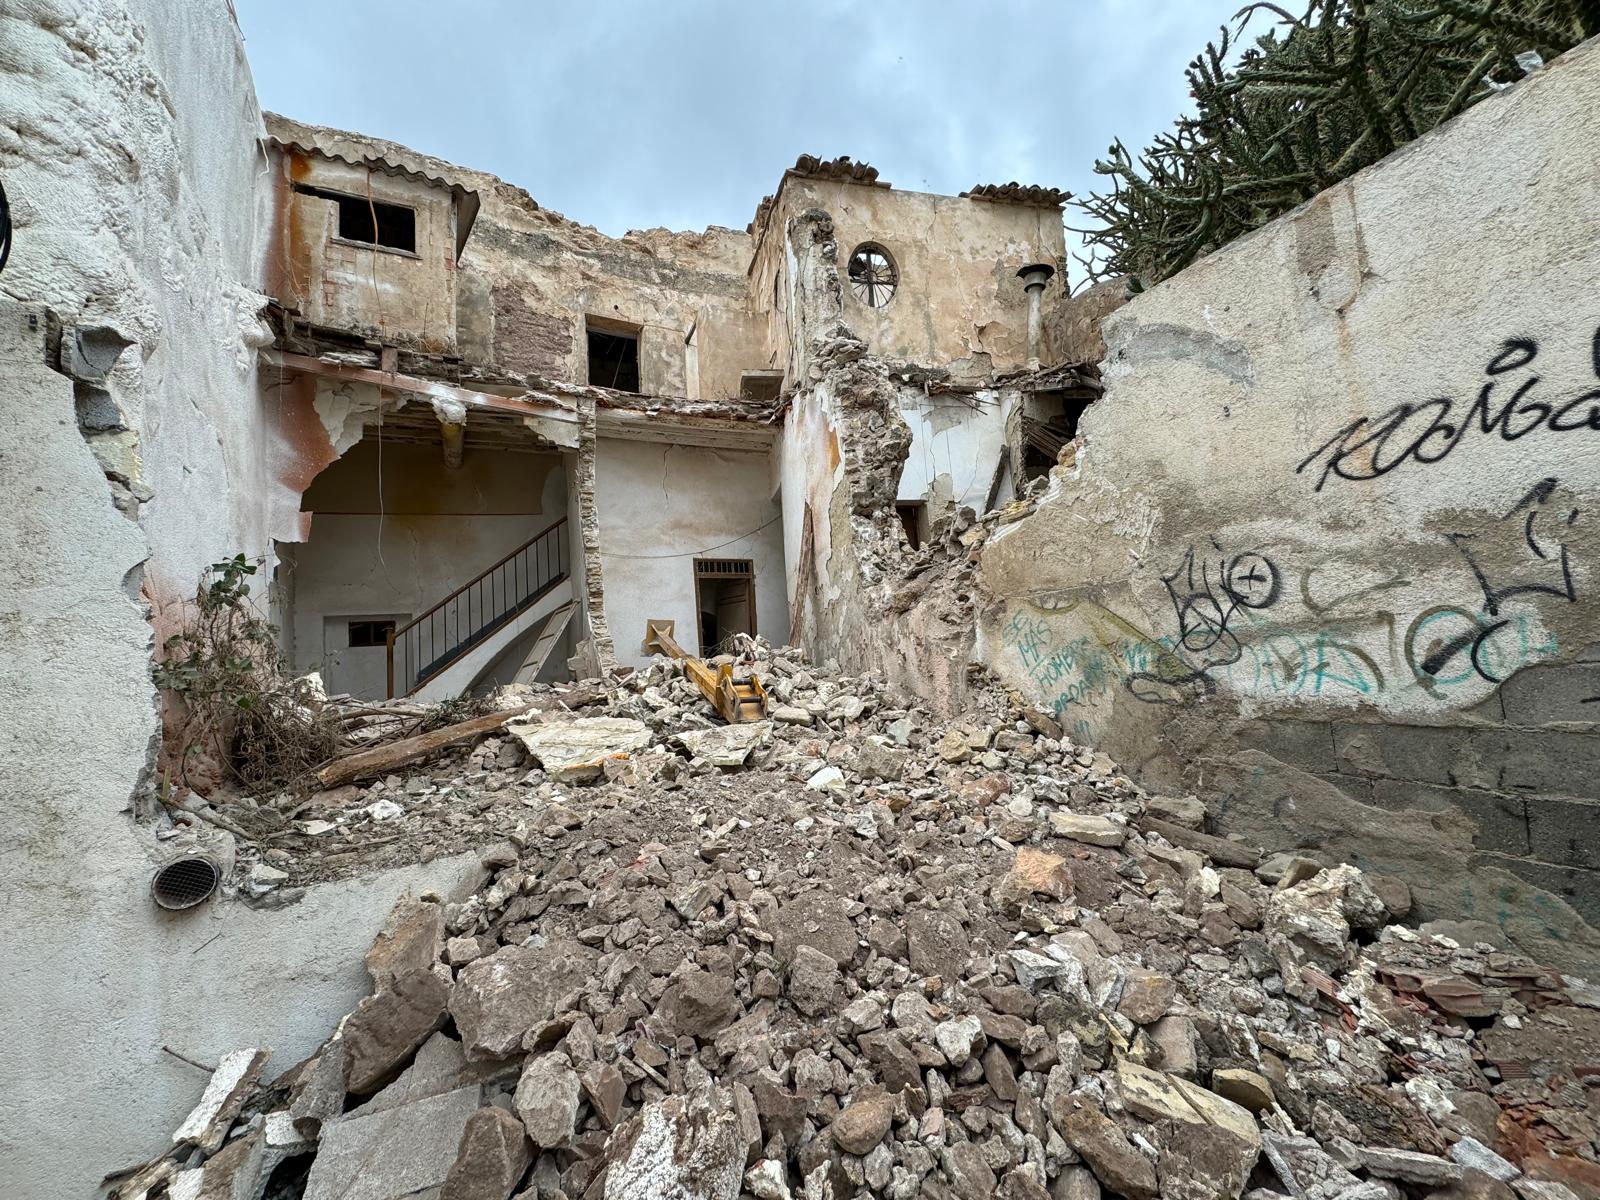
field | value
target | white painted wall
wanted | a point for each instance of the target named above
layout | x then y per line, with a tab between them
955	448
439	527
656	499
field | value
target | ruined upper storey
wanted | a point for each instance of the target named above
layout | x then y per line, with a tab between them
376	244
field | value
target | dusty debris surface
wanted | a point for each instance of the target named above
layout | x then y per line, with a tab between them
851	952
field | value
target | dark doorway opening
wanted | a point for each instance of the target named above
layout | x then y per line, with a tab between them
614	359
914	519
725	598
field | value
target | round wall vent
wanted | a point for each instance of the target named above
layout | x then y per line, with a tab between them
185	882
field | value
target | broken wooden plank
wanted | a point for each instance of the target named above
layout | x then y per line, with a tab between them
1220	850
396	754
229	1087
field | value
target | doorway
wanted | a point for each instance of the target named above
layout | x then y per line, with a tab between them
725	600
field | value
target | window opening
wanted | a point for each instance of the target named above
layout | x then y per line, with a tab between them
725	601
369	633
1049	425
371	222
613	360
760	387
873	275
913	515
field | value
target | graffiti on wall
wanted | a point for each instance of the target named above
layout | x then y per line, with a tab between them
1511	403
1233	619
1232	622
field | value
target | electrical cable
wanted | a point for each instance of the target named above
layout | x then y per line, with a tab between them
695	553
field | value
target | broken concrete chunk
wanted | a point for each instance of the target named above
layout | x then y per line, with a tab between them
547	1100
1157	1096
319	1093
409	941
1186	811
1096	831
1146	996
864	1123
828	779
1245	1088
388	1155
499	998
699	1003
576	751
959	1038
681	1148
937	944
1202	1162
813	982
1034	873
768	1180
440	1065
725	746
606	1089
492	1159
226	1091
817	919
385	1030
1410	1166
1472	1154
1116	1162
877	758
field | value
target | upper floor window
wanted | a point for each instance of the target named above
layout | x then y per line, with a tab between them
613	357
370	222
872	274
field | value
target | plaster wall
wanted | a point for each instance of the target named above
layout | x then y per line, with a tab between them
1331	551
662	506
956	442
387	294
97	978
432	530
959	302
129	147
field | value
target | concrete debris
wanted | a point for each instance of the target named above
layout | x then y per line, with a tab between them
687	973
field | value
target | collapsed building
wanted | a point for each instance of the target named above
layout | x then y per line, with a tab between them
1301	530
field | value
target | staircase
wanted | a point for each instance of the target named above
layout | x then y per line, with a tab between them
447	649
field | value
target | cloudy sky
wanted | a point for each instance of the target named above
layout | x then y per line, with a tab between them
633	113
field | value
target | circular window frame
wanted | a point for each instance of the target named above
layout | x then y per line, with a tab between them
873	291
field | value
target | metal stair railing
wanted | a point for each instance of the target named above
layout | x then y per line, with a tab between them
432	641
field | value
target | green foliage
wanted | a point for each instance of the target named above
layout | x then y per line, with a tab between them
239	706
1316	99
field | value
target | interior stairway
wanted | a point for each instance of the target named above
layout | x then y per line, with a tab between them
448	649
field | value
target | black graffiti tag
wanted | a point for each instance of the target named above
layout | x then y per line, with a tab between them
1205	597
1535	525
1425	431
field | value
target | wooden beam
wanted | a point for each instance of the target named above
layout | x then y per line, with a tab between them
396	754
432	389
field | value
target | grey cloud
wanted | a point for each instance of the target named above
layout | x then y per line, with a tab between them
624	114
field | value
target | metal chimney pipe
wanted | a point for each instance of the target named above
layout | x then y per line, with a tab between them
1034	276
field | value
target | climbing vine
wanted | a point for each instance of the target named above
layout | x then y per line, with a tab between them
1317	98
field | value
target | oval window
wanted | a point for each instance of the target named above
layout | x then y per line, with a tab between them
872	274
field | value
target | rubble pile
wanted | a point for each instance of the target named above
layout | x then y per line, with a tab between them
850	952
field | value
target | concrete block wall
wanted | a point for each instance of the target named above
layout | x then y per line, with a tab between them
1529	781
